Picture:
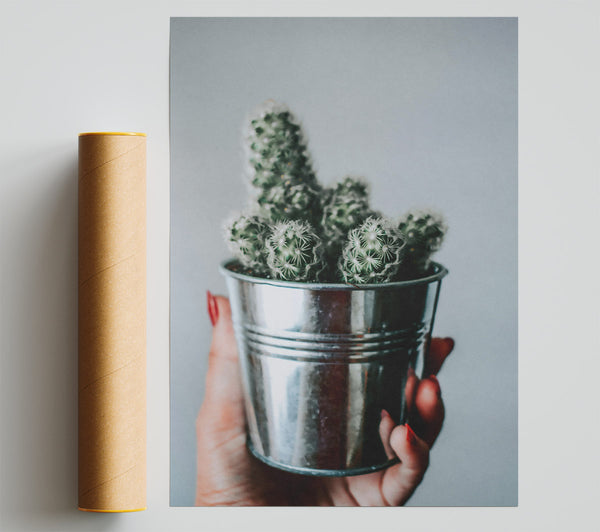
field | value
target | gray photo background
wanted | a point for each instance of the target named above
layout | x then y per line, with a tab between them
426	109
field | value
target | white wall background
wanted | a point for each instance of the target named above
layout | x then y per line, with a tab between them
68	67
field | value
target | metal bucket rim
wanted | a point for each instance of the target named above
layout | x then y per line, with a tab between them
440	272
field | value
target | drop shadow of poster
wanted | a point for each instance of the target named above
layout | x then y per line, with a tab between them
425	110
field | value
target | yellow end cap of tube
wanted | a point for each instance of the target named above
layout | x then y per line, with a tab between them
112	511
118	133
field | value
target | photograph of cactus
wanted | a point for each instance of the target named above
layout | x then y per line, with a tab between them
344	261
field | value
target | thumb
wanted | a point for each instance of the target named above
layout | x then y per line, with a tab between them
400	480
223	399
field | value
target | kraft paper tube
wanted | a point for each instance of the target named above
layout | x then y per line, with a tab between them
112	322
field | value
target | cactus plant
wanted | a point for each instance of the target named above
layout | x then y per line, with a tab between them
276	148
424	231
293	251
347	206
372	253
280	169
344	208
246	236
301	231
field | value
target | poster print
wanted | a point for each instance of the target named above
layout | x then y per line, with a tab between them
425	112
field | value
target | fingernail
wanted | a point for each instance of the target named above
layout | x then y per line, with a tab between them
213	310
449	343
384	414
410	435
411	372
438	389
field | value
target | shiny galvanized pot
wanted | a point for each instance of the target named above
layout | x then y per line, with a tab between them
321	361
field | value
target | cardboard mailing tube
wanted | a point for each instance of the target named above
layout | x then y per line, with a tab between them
112	322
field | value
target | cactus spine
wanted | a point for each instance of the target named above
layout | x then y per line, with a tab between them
373	252
293	251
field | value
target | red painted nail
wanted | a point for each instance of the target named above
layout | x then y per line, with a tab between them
449	343
438	389
410	435
213	310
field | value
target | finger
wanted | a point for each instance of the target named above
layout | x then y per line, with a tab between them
223	339
399	481
430	410
223	398
412	383
386	426
439	349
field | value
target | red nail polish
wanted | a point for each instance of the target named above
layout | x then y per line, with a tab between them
213	310
410	435
438	389
449	343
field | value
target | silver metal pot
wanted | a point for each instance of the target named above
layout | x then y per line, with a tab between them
321	361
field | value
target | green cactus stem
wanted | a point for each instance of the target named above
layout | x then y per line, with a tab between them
294	251
246	237
424	233
285	202
276	148
373	252
352	185
346	208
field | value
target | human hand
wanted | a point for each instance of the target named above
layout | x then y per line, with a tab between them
228	475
